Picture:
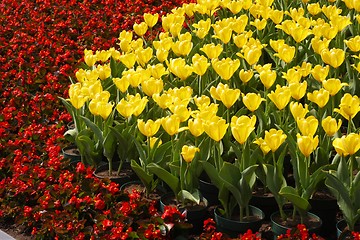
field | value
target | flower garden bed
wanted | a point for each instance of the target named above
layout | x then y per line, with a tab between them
240	89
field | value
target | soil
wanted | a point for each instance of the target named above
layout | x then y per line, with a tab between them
105	173
72	151
309	221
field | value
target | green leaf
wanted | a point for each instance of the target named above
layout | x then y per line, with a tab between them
145	177
291	194
97	131
230	175
213	174
167	177
109	145
160	152
205	149
194	197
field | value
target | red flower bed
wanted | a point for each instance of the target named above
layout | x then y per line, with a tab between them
41	44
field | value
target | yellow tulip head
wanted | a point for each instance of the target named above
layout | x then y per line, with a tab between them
154	142
245	76
280	97
151	19
140	29
307	144
298	89
148	128
347	145
195	126
307	126
200	64
171	124
252	101
320	97
188	152
226	67
241	127
298	111
216	128
211	50
349	106
333	85
274	138
330	125
334	57
268	77
125	108
152	86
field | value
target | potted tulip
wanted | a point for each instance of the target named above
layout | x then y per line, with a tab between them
235	182
344	182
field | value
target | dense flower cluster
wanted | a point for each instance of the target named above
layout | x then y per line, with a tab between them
300	233
42	43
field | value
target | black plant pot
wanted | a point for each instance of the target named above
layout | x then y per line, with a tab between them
126	173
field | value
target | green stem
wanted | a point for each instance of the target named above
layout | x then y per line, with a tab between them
241	214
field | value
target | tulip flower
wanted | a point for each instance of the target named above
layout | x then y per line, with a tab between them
152	86
286	53
162	54
201	101
125	108
76	98
276	16
211	50
245	76
216	128
234	6
229	96
333	85
347	145
259	24
202	28
179	68
102	55
250	54
151	19
320	73
163	101
320	97
241	39
148	128
195	126
307	126
241	127
280	97
188	153
307	144
140	29
90	59
268	77
128	59
225	68
171	124
222	33
200	64
153	141
240	23
292	75
314	8
252	101
182	48
330	125
273	139
263	146
319	44
143	56
100	108
157	71
334	57
297	110
349	106
138	103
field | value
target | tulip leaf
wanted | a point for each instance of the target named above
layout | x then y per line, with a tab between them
167	177
213	174
194	197
97	131
230	175
145	177
343	173
86	147
109	145
205	149
160	151
291	194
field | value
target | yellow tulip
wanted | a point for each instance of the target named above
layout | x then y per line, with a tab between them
201	101
318	45
292	75
222	33
307	126
276	16
252	101
274	138
125	108
202	28
229	96
143	56
216	128
211	50
340	22
305	69
195	126
151	19
148	128
330	125
182	48
104	71
188	152
333	85
328	31
347	145
171	124
307	144
95	88
157	71
181	111
216	92
259	24
89	59
241	127
121	83
200	64
76	98
245	76
286	53
226	67
152	86
102	55
268	77
164	101
100	108
128	59
234	6
352	4
140	29
334	57
349	106
263	146
320	97
138	103
179	68
276	44
280	97
153	141
162	54
103	96
239	24
126	35
207	113
314	8
320	73
250	54
353	43
297	110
